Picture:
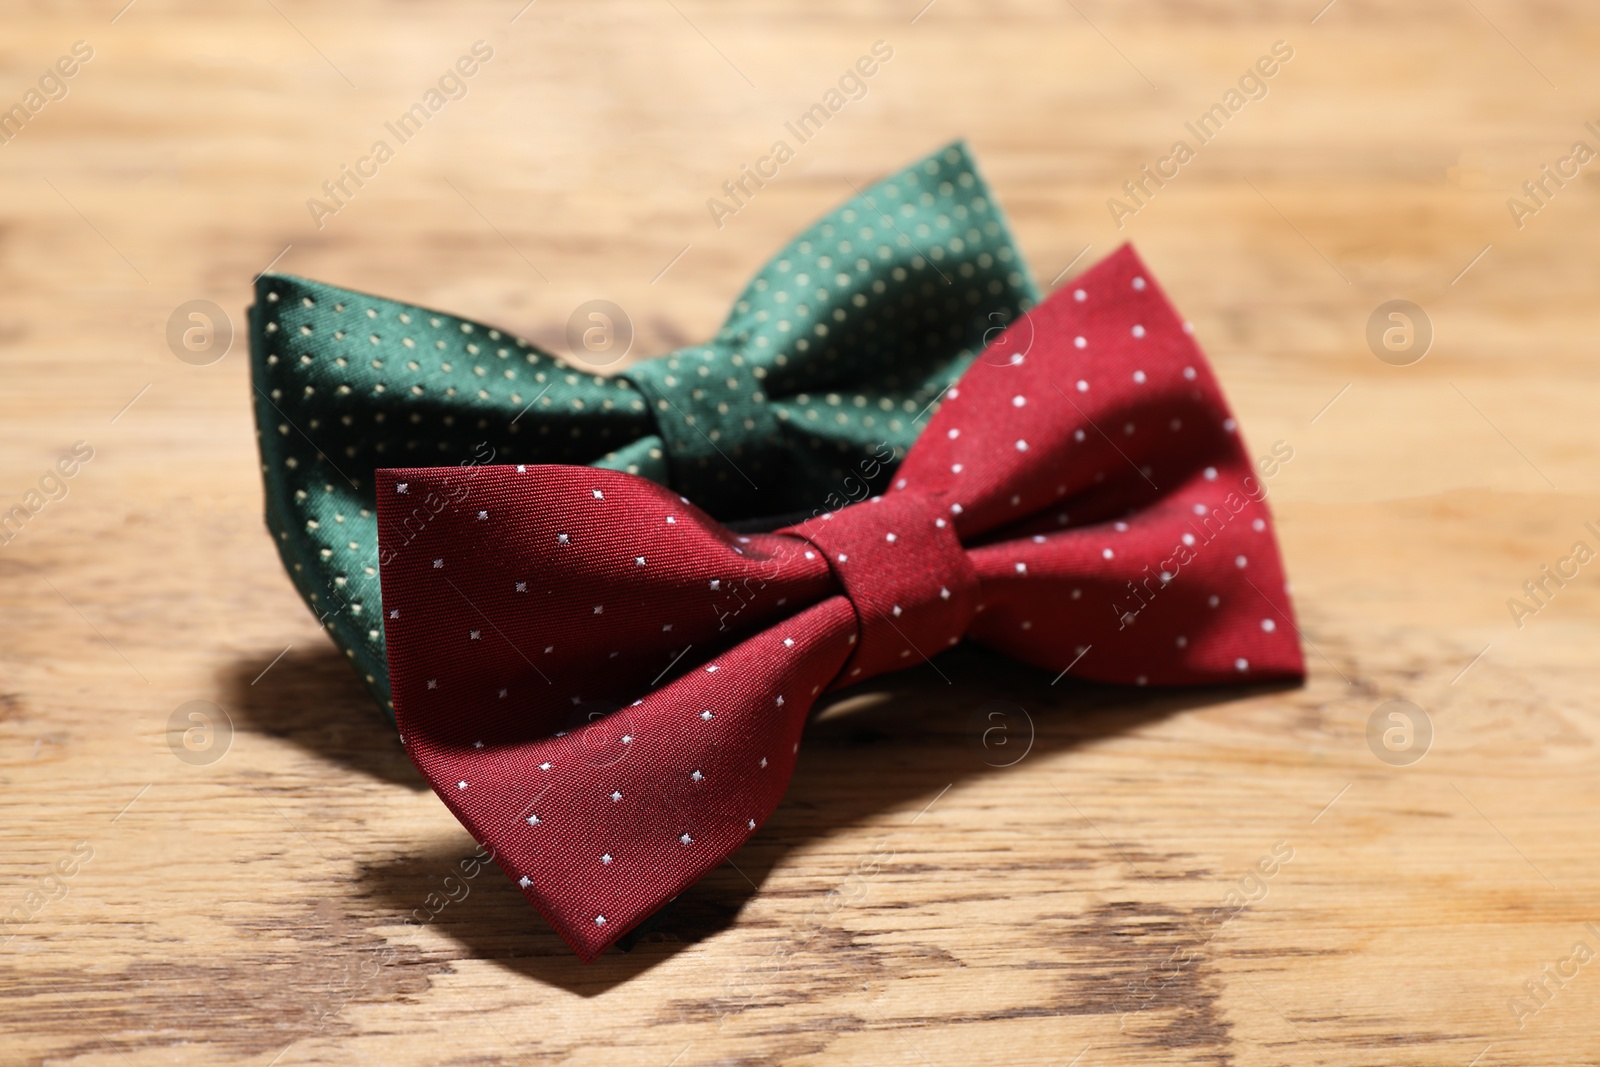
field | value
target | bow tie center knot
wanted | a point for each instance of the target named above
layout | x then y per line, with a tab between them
912	586
716	425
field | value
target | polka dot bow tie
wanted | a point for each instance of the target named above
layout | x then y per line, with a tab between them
819	380
608	688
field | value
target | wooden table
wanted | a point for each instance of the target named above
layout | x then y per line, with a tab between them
1100	900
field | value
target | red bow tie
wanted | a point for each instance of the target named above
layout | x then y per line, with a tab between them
608	688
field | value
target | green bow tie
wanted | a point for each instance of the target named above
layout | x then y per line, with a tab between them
805	399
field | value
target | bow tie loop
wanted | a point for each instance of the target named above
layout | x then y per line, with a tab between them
910	581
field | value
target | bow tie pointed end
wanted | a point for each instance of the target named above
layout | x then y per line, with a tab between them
609	688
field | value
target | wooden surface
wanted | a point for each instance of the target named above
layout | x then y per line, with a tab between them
292	901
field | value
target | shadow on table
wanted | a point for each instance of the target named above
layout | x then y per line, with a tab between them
894	744
311	698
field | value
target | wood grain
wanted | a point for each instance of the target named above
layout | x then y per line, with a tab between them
302	899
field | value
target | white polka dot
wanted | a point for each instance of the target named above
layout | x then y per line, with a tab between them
1022	446
1268	625
1138	331
1241	664
1188	372
1106	553
1079	295
1018	401
1080	342
1183	642
953	434
1239	561
1138	377
1083	386
1211	474
1258	525
1138	283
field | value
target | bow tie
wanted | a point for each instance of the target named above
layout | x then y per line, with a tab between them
815	385
608	688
